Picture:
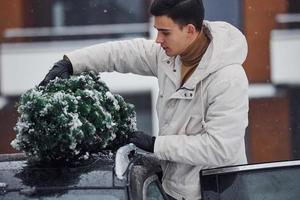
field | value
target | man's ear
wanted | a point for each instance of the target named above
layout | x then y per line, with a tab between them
191	29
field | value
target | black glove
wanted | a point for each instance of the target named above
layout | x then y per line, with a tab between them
143	141
62	69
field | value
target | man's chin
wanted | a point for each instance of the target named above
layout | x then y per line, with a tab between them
169	53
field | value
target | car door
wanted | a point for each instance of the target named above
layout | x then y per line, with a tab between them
152	189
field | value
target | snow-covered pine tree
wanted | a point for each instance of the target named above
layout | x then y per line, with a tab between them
70	118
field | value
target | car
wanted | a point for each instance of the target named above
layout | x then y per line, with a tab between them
94	178
139	179
263	181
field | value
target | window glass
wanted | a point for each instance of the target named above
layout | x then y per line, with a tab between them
229	11
90	12
78	12
154	192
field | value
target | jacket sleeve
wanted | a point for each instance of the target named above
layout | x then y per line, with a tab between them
138	56
226	121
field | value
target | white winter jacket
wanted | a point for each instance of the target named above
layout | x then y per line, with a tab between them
201	124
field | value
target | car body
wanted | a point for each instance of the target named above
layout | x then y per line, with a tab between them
91	179
96	179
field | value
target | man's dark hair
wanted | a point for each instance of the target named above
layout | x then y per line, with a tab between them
182	12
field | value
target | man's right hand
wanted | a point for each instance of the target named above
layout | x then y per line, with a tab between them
62	69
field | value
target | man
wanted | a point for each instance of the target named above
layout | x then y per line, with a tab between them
203	103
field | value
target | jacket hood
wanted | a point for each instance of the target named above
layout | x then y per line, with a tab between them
228	46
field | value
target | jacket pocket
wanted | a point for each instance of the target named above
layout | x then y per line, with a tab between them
193	125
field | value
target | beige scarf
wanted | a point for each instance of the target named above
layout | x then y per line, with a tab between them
192	55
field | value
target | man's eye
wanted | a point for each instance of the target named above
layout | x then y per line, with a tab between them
166	33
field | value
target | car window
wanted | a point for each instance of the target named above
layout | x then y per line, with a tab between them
153	189
266	184
70	195
154	192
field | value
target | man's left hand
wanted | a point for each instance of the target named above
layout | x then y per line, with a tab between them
143	141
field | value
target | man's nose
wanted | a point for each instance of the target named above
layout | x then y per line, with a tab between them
159	39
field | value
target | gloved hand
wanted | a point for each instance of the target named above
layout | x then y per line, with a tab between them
62	69
143	141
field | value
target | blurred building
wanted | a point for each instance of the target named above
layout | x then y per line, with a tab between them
271	27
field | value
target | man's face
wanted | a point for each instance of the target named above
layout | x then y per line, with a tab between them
173	39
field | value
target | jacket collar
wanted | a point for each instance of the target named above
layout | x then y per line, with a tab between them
173	70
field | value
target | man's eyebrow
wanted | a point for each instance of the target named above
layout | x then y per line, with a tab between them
162	29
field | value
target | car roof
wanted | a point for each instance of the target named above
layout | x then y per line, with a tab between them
18	173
